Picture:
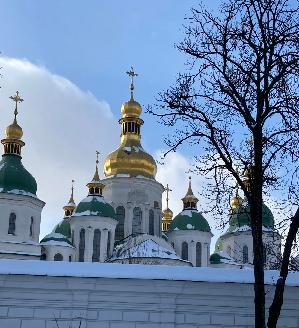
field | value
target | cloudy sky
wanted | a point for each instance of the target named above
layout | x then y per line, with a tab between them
68	60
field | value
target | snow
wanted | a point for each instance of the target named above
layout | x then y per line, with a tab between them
138	271
90	198
248	228
20	242
56	243
188	212
86	213
19	192
55	235
133	149
190	226
176	229
147	248
122	175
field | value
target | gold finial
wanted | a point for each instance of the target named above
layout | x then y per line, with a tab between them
96	174
190	200
70	206
132	74
72	194
17	99
167	189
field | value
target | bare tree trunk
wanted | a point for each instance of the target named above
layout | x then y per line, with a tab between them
275	308
256	209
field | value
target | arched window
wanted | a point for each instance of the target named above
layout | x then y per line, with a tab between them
120	215
185	251
137	221
43	257
58	257
108	243
81	245
198	254
31	226
151	223
96	245
12	224
245	254
70	258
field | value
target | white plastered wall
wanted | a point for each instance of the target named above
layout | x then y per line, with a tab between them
132	192
65	251
90	224
233	244
21	244
192	237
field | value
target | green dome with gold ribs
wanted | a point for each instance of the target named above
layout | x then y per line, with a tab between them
14	177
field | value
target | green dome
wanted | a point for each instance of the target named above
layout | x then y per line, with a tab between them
63	228
240	216
55	237
94	206
189	220
14	176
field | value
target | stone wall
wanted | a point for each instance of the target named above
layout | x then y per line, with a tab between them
32	301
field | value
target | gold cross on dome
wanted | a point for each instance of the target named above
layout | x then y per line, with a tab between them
167	189
17	99
132	74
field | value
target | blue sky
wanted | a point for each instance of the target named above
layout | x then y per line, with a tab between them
92	43
73	58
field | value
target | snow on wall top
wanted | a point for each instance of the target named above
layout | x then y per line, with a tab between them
138	271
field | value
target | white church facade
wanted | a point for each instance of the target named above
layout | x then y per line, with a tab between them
121	219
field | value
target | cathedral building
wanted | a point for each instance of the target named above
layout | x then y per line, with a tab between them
121	219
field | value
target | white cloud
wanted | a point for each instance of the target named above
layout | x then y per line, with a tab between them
175	171
63	126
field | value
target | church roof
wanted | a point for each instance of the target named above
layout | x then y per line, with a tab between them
63	228
57	239
240	216
190	220
14	176
94	206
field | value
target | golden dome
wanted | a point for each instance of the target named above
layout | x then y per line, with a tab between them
130	158
167	214
131	108
14	131
236	201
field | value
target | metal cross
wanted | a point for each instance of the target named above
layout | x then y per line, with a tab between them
167	189
17	99
132	74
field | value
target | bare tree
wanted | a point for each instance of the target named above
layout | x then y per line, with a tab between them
241	82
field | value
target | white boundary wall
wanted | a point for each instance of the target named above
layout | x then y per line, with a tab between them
33	293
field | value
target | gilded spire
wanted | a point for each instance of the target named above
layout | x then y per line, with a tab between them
130	158
167	213
13	133
132	74
71	205
95	187
190	200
